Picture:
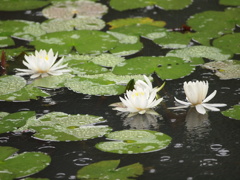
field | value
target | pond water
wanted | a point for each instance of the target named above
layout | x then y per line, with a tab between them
202	147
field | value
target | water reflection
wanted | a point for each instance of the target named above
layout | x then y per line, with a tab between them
195	121
142	121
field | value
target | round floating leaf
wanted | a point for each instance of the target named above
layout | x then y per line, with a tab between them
64	41
225	69
165	67
10	53
137	21
22	164
84	23
59	126
25	94
20	5
6	151
230	2
52	82
200	51
233	112
101	84
10	84
134	141
168	5
6	41
174	40
229	42
70	9
103	169
107	60
14	121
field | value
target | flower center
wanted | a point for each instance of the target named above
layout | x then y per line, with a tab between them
137	94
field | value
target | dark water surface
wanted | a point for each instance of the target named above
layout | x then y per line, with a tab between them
201	147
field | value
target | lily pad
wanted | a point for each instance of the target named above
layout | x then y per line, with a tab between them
14	121
174	40
229	42
233	112
20	5
103	169
84	23
10	84
167	5
52	82
25	94
58	126
208	52
165	67
24	164
63	42
6	41
137	20
230	2
102	84
134	142
11	53
225	69
70	9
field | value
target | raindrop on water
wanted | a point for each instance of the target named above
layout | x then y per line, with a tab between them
60	176
216	147
82	161
223	153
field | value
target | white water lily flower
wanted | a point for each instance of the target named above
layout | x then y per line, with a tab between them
196	93
43	64
138	101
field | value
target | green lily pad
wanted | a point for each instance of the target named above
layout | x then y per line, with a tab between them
134	142
14	121
57	126
20	5
137	21
107	60
168	5
6	41
174	40
165	67
233	112
11	53
230	2
10	84
229	42
35	179
70	9
84	23
24	164
102	84
208	52
225	69
63	42
103	169
25	94
52	82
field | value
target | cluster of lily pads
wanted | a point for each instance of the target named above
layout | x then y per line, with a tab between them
99	66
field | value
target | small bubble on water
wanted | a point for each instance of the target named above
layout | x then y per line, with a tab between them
82	161
208	162
60	175
4	139
216	147
223	153
165	158
178	145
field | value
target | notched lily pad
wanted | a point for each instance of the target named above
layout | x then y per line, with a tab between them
102	84
225	69
138	20
18	165
20	5
10	84
57	126
168	5
103	169
134	142
208	52
233	112
70	9
165	67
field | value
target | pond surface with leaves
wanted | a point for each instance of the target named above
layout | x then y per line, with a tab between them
63	127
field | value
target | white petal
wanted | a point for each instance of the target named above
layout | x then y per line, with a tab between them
208	106
210	96
200	109
178	107
182	102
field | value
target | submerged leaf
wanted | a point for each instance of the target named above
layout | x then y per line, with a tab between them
134	141
233	112
225	69
108	168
